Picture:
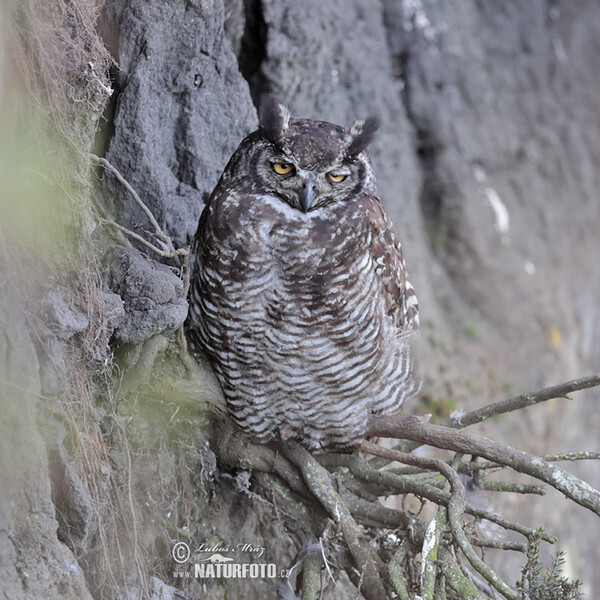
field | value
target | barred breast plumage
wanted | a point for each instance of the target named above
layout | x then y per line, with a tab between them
298	291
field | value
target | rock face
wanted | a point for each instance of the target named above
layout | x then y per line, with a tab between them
151	294
508	165
34	562
182	108
487	162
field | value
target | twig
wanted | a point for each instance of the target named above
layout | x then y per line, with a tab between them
416	429
171	251
455	509
157	229
456	579
474	467
498	520
353	502
119	236
515	488
388	482
500	545
185	271
139	238
518	402
504	406
571	456
311	576
317	479
429	554
374	514
396	573
325	561
301	517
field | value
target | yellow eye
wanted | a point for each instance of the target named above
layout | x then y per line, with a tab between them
282	168
336	178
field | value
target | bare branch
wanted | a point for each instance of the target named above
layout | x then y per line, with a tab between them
416	429
351	499
518	402
429	554
311	577
504	406
456	579
515	488
386	482
171	251
500	545
571	456
498	520
456	507
317	479
376	515
396	572
170	254
157	229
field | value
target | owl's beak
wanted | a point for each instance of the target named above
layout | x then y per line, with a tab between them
307	193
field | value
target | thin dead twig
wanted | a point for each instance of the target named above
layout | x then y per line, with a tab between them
523	400
504	406
500	545
112	169
514	488
171	251
139	238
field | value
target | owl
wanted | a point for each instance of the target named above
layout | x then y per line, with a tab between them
298	292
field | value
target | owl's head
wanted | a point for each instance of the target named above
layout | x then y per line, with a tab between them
310	164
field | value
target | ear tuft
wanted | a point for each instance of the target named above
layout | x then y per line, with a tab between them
361	135
274	118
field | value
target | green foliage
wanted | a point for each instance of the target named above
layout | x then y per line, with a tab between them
540	583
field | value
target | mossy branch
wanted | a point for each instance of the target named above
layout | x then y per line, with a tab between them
456	509
317	478
336	498
419	430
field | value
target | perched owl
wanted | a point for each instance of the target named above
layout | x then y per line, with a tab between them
298	291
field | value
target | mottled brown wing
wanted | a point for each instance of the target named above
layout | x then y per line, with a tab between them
386	252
